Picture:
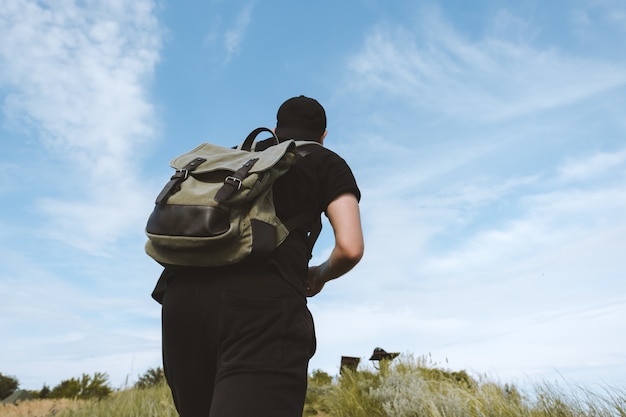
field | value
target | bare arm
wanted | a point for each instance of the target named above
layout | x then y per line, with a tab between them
345	219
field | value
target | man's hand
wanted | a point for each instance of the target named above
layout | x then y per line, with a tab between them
315	281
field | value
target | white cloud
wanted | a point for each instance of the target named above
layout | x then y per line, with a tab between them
503	294
492	173
59	330
437	70
77	76
543	222
593	15
592	168
234	36
231	38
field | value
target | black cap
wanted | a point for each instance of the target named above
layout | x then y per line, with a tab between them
301	118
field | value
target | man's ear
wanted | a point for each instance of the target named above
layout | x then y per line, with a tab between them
321	141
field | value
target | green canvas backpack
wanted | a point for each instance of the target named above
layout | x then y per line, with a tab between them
218	208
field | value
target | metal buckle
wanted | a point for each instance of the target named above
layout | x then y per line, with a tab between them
180	174
235	182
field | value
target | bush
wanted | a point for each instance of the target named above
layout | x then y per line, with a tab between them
419	388
320	383
86	387
350	397
8	385
151	378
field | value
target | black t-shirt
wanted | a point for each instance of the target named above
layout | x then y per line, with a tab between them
309	186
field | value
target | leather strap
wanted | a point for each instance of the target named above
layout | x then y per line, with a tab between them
173	185
247	143
233	182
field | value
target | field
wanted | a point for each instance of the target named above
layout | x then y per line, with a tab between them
38	408
133	402
406	387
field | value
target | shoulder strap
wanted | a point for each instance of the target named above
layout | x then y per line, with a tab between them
314	231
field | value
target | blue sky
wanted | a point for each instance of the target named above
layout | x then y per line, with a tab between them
489	143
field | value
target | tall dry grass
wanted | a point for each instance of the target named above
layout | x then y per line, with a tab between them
406	387
416	388
147	402
38	408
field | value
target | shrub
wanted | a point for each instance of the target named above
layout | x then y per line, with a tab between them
350	397
320	383
151	378
8	385
84	388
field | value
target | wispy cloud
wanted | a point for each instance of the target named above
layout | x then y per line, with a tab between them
230	39
234	36
496	78
493	212
592	16
449	251
598	165
458	232
77	77
63	325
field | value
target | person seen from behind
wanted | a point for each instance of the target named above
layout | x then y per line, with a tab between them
237	339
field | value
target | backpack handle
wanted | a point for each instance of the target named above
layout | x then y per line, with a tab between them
247	144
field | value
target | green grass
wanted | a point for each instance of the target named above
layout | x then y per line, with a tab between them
406	387
409	387
133	402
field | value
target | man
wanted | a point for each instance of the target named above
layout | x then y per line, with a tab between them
237	339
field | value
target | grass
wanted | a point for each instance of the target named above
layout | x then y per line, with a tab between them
38	408
411	387
133	402
406	387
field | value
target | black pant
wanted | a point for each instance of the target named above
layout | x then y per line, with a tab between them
236	345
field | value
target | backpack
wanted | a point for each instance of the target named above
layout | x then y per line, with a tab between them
218	208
